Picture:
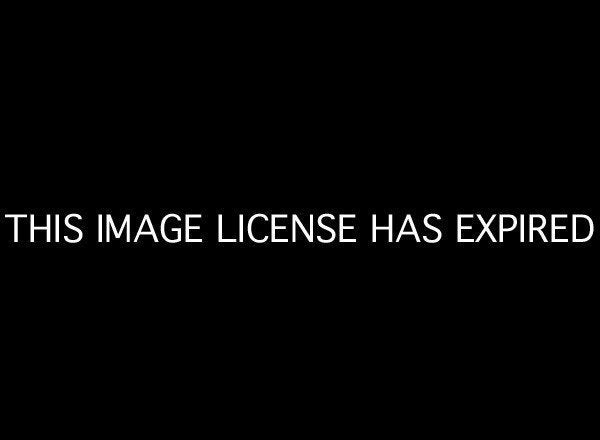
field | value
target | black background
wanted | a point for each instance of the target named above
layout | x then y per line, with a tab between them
386	112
